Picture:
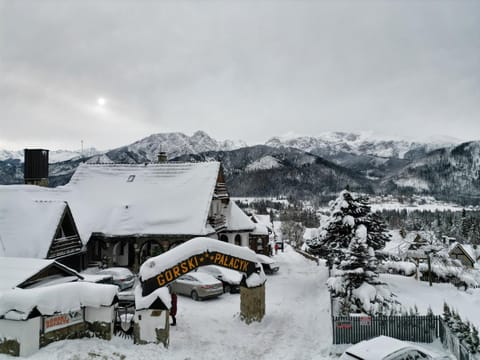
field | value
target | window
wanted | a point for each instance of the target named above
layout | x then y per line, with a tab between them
224	238
238	240
259	244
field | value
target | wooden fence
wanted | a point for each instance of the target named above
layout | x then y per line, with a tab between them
416	328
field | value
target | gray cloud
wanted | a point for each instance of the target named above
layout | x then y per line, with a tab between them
236	69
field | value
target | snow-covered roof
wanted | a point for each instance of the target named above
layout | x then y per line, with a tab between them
144	302
467	248
167	198
112	199
264	219
260	229
237	220
14	271
27	223
17	304
399	245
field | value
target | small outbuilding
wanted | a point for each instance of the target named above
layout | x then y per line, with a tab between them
42	301
467	254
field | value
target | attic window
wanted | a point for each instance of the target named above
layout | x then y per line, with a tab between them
131	178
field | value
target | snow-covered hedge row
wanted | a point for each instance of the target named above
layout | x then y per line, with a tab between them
398	267
453	274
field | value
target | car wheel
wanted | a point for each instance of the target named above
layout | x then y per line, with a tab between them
194	295
227	288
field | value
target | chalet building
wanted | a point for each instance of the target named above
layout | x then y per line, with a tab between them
238	226
129	213
262	238
468	255
122	214
40	229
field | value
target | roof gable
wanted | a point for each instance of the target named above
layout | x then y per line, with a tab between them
237	220
466	250
23	272
27	226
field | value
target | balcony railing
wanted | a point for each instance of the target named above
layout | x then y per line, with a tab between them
64	246
218	222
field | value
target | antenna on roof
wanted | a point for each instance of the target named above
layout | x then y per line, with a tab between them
81	144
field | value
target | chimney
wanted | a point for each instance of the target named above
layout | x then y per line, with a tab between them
35	171
162	157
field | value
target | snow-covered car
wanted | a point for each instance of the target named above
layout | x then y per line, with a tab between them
197	285
122	277
230	278
268	264
387	348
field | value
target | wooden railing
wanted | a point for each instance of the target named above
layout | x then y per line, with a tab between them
64	246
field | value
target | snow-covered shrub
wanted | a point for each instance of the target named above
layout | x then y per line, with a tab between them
398	267
453	274
466	332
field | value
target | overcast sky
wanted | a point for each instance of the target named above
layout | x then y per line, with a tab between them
236	69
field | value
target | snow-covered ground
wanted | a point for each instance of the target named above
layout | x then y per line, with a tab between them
411	292
297	325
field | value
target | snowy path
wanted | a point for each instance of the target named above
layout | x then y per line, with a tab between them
297	325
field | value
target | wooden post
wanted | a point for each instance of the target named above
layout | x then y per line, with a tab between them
429	269
252	303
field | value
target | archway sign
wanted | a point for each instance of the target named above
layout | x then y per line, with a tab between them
161	270
152	323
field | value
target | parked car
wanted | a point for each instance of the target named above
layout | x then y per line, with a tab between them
268	264
198	286
122	277
230	278
387	348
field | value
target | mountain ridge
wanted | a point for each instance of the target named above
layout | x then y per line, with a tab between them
410	168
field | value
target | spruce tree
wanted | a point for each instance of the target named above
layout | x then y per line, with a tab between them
357	269
447	315
347	213
474	340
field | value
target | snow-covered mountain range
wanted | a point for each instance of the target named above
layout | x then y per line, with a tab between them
174	144
297	165
334	144
54	156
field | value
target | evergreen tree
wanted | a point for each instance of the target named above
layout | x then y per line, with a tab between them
456	323
474	340
347	213
359	268
447	315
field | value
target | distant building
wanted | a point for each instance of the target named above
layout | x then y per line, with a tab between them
467	254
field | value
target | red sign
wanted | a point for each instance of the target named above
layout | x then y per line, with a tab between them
365	320
60	321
